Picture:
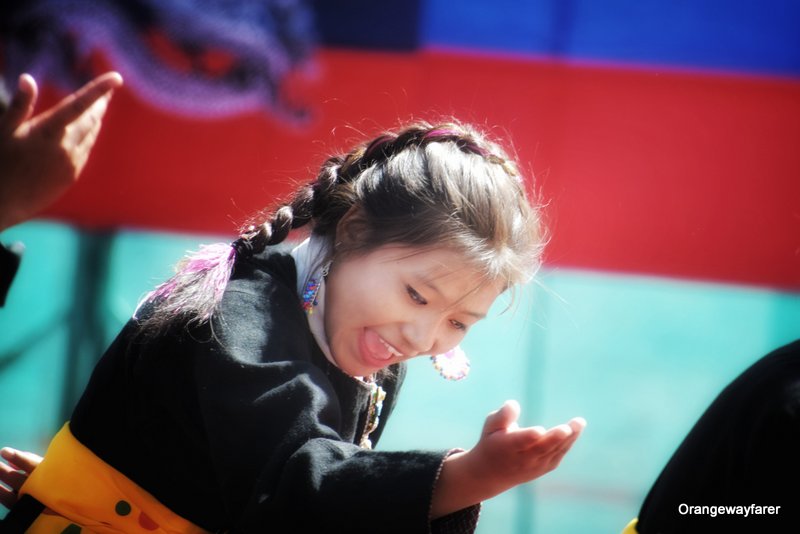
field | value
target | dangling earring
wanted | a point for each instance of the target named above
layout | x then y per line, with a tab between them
453	364
312	289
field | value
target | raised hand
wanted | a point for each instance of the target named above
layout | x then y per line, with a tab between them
42	155
505	456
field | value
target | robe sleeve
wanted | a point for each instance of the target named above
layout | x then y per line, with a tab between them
742	451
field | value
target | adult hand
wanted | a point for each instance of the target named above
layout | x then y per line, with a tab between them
15	473
42	155
505	456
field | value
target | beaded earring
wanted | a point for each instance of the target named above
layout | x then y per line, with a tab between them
312	289
453	364
310	295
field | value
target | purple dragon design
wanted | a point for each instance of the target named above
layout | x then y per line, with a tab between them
227	56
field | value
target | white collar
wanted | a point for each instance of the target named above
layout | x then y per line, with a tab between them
309	258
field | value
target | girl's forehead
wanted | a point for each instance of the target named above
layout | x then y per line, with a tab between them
429	262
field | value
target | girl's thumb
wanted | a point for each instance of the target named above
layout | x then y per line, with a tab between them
502	419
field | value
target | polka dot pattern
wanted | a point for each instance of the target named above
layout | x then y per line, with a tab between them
122	508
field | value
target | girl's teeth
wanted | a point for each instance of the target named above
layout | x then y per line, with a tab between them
392	350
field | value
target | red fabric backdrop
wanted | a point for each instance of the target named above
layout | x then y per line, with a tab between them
649	171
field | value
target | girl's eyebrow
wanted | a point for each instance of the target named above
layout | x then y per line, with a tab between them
476	315
427	282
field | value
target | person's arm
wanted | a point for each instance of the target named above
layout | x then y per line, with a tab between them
42	155
303	462
504	457
300	468
14	473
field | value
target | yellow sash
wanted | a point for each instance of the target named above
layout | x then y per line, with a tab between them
84	494
631	528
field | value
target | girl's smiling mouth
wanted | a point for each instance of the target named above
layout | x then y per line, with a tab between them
376	351
396	353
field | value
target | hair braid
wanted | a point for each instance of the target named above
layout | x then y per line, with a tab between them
443	184
295	214
387	145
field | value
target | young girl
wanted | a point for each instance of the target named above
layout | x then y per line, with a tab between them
248	391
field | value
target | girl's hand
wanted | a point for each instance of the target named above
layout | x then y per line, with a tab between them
13	474
504	457
507	455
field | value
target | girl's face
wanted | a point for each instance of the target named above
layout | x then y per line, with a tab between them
396	303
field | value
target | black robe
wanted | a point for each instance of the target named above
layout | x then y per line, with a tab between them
242	425
743	451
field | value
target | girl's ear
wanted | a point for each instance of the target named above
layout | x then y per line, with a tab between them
349	229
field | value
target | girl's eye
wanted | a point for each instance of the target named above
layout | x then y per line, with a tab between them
416	297
458	325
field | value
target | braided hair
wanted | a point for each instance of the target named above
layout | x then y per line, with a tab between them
426	185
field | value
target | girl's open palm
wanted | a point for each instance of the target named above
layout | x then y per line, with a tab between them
505	456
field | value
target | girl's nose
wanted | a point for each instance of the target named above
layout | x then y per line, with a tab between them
421	335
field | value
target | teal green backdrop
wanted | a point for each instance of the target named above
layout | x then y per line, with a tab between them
639	357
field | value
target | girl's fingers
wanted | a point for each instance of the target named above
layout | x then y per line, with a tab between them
562	451
502	419
557	454
577	424
536	441
525	438
554	439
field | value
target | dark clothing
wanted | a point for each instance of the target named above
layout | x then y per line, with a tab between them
9	263
244	426
744	450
